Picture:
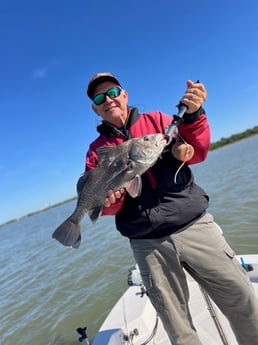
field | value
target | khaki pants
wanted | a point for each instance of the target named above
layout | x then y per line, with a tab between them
203	252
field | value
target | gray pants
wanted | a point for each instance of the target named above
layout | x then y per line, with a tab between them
205	254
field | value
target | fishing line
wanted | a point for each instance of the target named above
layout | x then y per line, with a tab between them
186	155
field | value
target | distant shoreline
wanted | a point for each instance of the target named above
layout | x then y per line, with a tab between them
38	211
233	138
220	143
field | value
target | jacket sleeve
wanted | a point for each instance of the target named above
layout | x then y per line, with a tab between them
196	133
91	163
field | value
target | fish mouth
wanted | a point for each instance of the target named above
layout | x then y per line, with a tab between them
167	139
163	140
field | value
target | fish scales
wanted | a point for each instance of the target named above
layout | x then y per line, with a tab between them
118	167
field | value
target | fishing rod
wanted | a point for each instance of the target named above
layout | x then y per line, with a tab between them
215	317
172	129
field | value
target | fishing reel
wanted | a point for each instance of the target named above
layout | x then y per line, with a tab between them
135	279
134	276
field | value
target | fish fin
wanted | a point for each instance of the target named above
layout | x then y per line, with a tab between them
106	153
68	234
103	150
134	187
95	213
122	169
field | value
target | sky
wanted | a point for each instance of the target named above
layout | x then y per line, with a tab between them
50	49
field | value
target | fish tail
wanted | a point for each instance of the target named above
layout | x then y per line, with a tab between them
68	234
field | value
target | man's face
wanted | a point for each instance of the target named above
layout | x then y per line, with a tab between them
113	110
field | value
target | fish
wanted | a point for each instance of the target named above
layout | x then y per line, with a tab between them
119	166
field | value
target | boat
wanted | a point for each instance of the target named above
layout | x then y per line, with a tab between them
134	321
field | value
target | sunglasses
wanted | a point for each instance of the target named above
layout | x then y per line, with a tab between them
111	93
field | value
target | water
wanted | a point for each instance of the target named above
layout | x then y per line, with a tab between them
47	290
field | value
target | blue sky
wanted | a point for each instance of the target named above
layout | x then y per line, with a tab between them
50	50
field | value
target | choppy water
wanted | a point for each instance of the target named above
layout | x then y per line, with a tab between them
47	290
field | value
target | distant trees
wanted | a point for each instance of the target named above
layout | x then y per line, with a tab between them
235	137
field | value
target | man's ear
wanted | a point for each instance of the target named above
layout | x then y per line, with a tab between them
94	108
125	94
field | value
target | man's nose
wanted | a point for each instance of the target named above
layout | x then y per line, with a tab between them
108	99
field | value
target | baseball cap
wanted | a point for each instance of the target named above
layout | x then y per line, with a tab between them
99	78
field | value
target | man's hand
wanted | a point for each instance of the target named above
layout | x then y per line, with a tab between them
113	197
194	96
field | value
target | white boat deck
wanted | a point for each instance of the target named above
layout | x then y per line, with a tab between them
132	320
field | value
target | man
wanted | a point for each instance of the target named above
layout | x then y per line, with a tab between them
168	225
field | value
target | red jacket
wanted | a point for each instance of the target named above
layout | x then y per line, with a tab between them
194	130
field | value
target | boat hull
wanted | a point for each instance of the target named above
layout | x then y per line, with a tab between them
133	320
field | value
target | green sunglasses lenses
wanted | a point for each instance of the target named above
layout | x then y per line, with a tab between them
111	93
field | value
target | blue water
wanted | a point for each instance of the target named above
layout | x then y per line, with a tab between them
47	290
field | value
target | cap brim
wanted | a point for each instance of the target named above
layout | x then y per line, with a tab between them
98	80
